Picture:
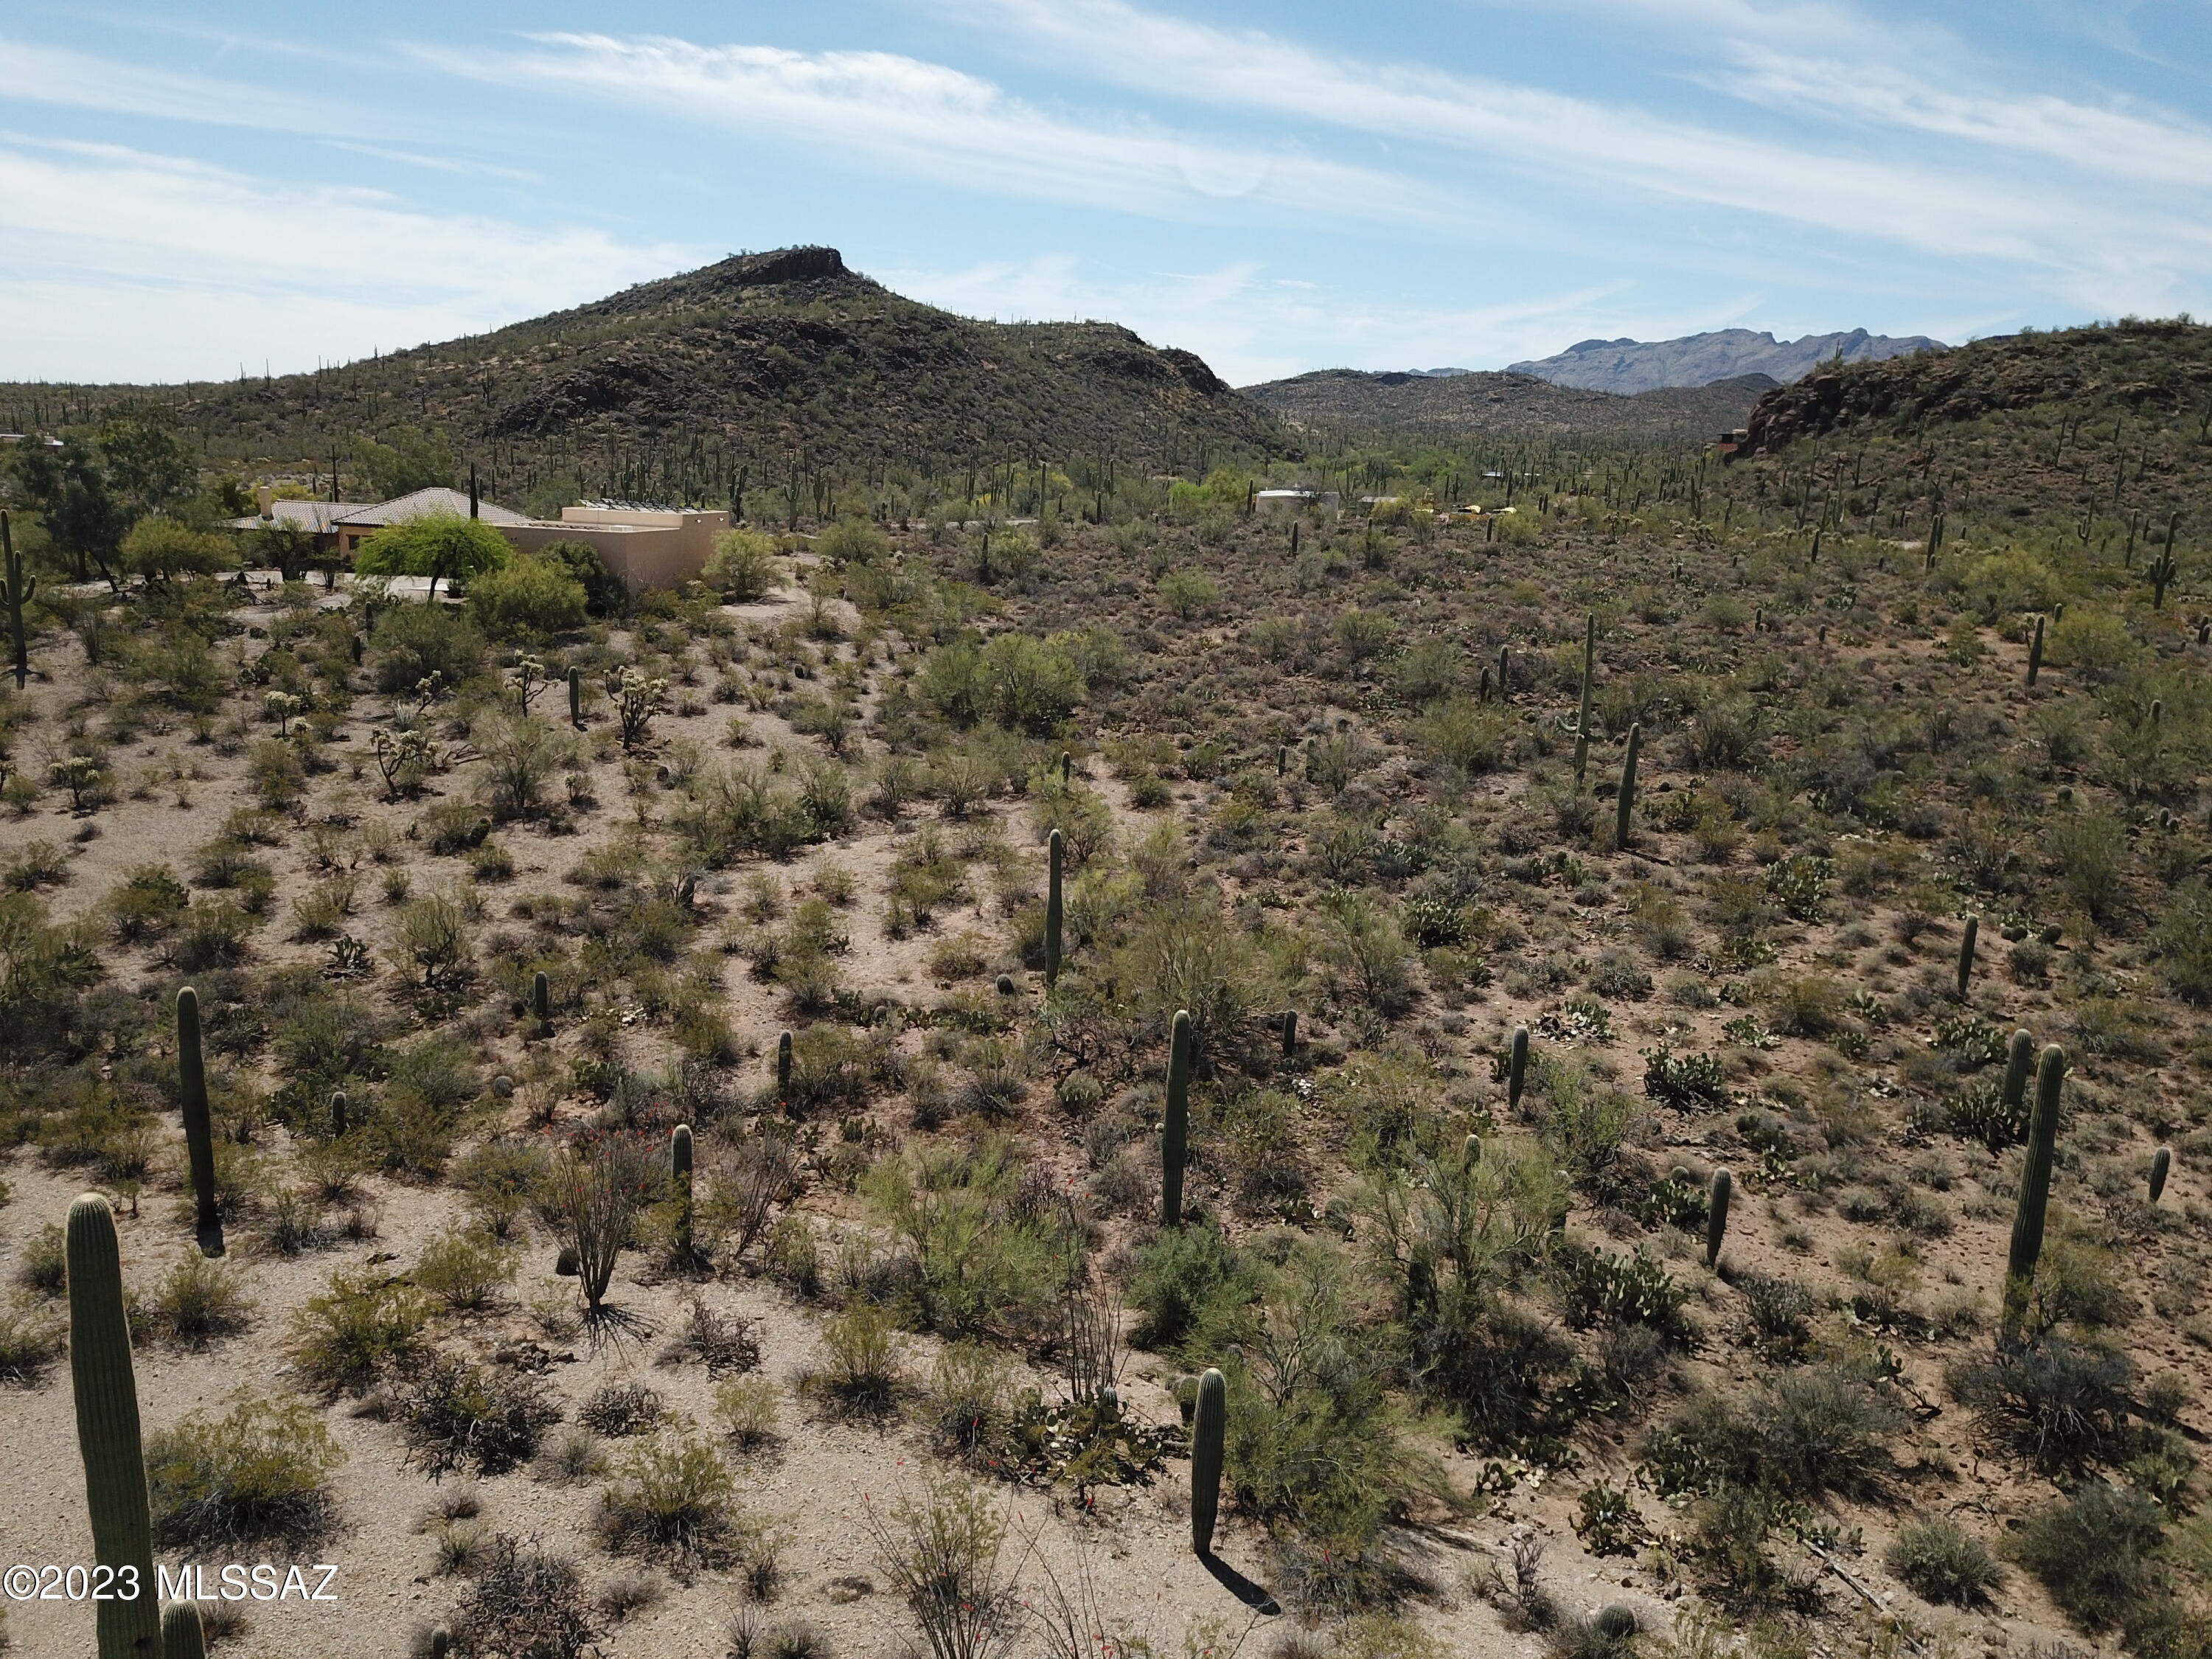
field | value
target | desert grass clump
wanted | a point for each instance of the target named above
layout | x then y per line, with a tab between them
464	1270
523	1601
2097	1552
1939	1561
260	1471
2062	1405
673	1499
725	1344
749	1410
617	1410
30	1341
198	1302
859	1370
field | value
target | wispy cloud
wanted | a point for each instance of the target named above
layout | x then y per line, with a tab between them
167	264
922	119
1945	206
35	73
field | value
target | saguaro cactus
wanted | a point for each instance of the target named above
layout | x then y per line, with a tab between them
183	1637
1967	953
575	697
108	1431
2019	1059
1290	1032
540	1002
679	1181
2034	1186
1627	801
1175	1128
199	1133
1716	1209
1516	1067
441	1643
2162	568
1581	709
18	589
1208	1431
1504	661
2035	653
339	1103
783	1071
1055	859
2161	1163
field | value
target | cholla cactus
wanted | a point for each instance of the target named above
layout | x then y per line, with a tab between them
529	681
81	776
282	707
636	701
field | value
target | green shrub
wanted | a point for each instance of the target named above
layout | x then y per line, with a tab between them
525	600
2184	936
743	568
604	593
261	1471
344	1339
1941	1562
674	1497
1186	1280
30	1341
44	1267
860	1369
465	1269
2096	1552
2063	1406
412	642
748	1409
197	1301
1799	1434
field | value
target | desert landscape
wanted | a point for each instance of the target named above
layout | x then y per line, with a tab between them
1604	1051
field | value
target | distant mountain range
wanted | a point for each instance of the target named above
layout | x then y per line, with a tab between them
1631	366
1347	401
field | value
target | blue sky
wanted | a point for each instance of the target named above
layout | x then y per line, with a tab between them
186	188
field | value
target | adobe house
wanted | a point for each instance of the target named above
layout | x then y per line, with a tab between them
642	547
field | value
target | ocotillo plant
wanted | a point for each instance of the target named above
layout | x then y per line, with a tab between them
107	1432
1627	801
2035	653
1966	954
783	1071
199	1133
575	698
183	1636
1581	709
1055	857
2161	1162
1175	1126
679	1173
2034	1187
18	588
1209	1428
1716	1209
1516	1067
540	1002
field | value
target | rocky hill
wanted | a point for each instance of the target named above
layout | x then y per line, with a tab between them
1502	405
1631	366
2091	429
764	362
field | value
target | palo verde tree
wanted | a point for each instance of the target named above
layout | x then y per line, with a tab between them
443	546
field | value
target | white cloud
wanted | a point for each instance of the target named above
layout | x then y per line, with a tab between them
122	264
922	119
57	74
2081	237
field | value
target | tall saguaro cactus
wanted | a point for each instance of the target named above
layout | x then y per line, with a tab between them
2019	1060
2034	1187
575	697
1716	1209
1581	709
108	1431
679	1183
783	1071
2035	653
18	588
1627	802
1966	954
540	1002
2161	1162
1208	1431
200	1131
1175	1126
2163	569
1056	857
1516	1067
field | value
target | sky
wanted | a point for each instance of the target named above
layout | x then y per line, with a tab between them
195	191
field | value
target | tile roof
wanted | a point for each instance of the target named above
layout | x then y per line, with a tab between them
421	504
316	516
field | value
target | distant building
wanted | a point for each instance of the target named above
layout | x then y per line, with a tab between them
643	547
1295	501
